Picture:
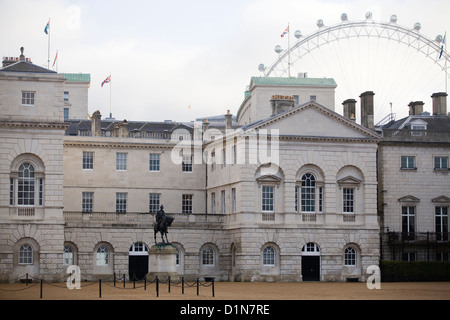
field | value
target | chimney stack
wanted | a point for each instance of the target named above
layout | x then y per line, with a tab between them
228	120
349	108
281	103
367	109
415	107
439	103
123	129
96	126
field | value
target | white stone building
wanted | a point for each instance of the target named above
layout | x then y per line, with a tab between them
288	193
414	184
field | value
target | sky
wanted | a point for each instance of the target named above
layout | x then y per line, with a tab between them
181	60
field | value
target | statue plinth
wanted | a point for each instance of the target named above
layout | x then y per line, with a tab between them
162	259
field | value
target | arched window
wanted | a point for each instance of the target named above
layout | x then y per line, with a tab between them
269	256
308	193
68	255
26	254
26	185
102	256
350	256
208	256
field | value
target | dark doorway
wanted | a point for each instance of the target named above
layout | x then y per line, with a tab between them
311	268
138	267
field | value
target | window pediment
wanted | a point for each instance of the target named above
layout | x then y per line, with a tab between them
349	181
409	198
269	179
441	200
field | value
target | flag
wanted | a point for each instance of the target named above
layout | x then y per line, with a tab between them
442	47
47	27
107	80
56	57
286	31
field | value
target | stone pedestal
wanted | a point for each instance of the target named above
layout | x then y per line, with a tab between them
162	262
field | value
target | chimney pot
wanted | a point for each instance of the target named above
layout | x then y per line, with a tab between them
367	109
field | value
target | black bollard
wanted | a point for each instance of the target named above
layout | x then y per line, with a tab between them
99	288
182	285
197	286
157	286
212	284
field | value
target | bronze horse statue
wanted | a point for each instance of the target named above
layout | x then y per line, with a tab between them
162	224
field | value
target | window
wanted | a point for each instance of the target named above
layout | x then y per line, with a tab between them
186	206
28	98
409	256
121	161
66	114
186	165
208	256
88	160
441	214
87	201
348	200
308	193
269	256
213	161
407	162
222	202
441	163
312	98
408	222
26	254
233	200
213	202
154	202
154	162
66	96
68	255
11	191
267	198
41	192
121	202
224	158
102	256
350	256
26	185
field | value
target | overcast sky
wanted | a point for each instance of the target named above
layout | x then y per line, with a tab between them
165	56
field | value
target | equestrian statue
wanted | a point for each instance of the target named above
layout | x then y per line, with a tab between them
162	224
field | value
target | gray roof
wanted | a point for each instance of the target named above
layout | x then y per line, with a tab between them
25	66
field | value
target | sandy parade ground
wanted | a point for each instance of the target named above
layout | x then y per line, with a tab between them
229	291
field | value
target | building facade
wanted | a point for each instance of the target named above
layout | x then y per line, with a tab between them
285	191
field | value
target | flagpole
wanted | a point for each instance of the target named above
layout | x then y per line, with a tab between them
289	51
110	95
446	72
48	52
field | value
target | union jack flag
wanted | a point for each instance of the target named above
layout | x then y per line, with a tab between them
286	31
107	80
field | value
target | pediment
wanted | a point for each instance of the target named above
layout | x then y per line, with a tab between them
349	181
313	120
408	198
269	179
441	199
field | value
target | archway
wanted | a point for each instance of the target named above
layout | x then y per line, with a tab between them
311	262
138	261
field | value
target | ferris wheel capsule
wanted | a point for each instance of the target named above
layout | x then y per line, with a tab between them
369	15
344	17
438	38
298	34
261	67
278	49
417	26
320	23
394	18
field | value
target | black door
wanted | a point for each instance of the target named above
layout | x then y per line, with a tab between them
311	268
138	267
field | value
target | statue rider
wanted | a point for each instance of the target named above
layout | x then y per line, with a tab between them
160	217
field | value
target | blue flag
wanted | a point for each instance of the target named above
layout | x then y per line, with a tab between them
442	47
47	27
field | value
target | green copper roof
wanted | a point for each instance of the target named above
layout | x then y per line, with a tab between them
85	77
278	81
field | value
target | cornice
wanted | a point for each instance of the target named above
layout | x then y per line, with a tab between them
31	124
116	145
